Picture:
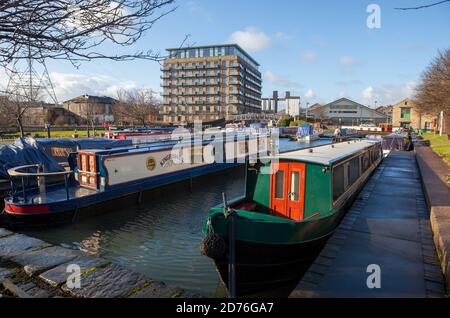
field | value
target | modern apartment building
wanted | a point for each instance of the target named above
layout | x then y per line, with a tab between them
209	83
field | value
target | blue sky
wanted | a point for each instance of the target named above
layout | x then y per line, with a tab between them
321	50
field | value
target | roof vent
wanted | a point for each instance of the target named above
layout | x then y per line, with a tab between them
310	150
349	142
332	146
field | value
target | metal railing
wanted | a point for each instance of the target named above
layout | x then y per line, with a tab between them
40	175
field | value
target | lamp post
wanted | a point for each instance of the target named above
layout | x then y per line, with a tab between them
373	113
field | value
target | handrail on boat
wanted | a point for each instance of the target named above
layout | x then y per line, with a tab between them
39	175
13	172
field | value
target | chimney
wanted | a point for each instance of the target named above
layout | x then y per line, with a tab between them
275	101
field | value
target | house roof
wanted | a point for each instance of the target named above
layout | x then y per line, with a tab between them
352	102
93	99
326	154
314	106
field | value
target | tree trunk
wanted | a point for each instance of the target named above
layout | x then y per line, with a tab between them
20	126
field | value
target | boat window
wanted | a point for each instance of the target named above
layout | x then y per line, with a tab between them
279	185
353	171
365	161
338	181
295	185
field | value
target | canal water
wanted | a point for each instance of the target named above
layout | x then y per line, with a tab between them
160	238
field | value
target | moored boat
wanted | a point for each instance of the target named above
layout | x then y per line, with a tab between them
98	180
293	202
307	133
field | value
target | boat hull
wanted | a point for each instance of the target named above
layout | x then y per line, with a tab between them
75	209
262	267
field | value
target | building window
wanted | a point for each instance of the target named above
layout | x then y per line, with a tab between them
405	113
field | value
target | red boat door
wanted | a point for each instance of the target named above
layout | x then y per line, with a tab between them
296	194
288	190
278	185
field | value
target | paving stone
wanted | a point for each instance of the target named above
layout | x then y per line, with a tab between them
328	253
434	277
34	291
4	273
312	277
317	268
431	260
435	287
108	282
432	268
323	261
35	262
4	232
332	247
58	275
17	244
158	290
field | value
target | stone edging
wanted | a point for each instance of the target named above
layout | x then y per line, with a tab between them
439	232
34	268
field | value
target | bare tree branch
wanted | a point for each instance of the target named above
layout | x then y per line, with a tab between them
424	6
136	106
73	29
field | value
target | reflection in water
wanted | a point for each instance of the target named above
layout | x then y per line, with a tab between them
160	238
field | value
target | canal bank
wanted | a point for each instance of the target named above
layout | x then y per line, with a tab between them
435	173
32	268
386	231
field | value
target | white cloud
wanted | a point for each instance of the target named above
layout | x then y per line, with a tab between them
309	57
368	93
251	39
387	94
283	36
69	85
280	82
310	94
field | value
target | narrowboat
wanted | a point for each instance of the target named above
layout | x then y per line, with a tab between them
142	136
292	203
98	180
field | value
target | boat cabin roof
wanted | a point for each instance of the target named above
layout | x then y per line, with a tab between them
326	154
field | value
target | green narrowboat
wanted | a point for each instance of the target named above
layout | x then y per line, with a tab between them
293	202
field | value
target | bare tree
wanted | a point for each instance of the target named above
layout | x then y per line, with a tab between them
137	105
14	107
73	29
433	92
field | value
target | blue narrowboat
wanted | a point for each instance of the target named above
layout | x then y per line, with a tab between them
99	179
